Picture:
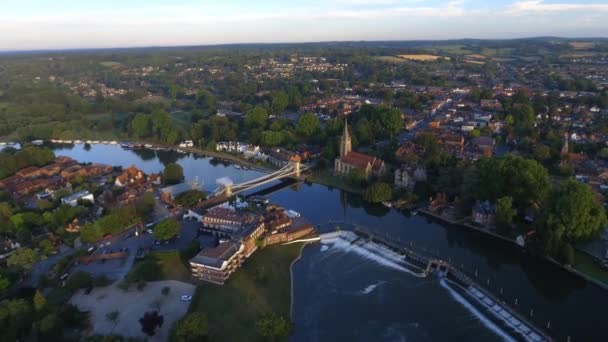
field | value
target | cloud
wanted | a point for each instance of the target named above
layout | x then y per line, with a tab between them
536	6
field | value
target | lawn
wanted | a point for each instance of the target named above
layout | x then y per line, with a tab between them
171	266
260	287
420	57
326	177
111	64
587	265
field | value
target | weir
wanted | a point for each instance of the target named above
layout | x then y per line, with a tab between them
398	256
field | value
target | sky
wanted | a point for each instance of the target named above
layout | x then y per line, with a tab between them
69	24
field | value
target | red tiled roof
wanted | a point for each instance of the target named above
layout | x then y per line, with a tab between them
359	160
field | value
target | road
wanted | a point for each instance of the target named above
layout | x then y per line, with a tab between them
128	242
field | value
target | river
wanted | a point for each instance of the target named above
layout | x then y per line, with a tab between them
341	295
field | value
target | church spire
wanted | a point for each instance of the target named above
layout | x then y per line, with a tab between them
345	141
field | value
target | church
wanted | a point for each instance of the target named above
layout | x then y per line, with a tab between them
349	160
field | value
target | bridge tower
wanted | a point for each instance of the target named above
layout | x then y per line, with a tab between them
226	183
296	167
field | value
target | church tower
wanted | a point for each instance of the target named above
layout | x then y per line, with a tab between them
565	147
345	143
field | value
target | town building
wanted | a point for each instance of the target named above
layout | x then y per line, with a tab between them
215	265
350	160
131	175
484	213
72	200
223	219
168	193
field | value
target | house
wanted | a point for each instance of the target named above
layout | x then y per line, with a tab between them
168	194
7	246
155	179
131	175
72	200
349	160
407	176
280	157
29	172
45	194
491	104
73	227
30	186
451	143
484	213
275	218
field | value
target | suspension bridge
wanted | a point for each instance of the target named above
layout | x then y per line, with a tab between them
226	187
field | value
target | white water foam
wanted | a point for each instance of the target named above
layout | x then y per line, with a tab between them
324	248
484	320
377	253
371	288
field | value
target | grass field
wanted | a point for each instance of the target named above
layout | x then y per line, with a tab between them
390	59
453	49
171	266
328	178
421	57
582	45
587	265
110	64
181	118
260	287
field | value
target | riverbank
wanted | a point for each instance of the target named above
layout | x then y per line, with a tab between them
304	244
261	287
584	270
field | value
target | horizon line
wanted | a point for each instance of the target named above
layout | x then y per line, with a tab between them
84	49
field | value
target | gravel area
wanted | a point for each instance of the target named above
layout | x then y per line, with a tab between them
132	305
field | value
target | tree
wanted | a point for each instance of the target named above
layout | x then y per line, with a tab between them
79	280
50	328
23	258
39	301
271	138
165	291
173	174
166	229
279	102
193	327
603	153
524	180
150	321
542	152
356	177
475	133
256	118
46	247
189	198
273	327
378	192
145	205
140	125
504	213
574	213
15	318
113	317
308	124
566	254
5	283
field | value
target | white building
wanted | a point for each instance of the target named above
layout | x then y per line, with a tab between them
72	200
